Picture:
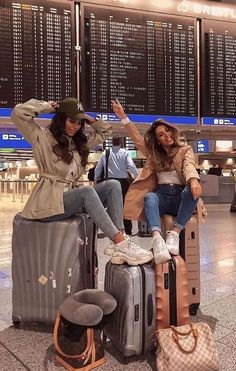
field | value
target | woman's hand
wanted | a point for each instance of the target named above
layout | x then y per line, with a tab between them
195	188
118	109
89	119
53	105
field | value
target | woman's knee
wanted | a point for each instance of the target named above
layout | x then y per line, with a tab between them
85	191
114	185
150	198
186	192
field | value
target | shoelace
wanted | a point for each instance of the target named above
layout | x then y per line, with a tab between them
133	245
172	237
161	241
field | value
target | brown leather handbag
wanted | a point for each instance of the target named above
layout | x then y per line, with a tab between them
77	347
187	348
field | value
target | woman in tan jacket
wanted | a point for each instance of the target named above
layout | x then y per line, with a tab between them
168	183
61	154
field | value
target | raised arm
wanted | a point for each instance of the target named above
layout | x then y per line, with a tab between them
131	129
101	131
23	116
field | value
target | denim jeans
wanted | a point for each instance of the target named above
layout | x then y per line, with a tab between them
93	200
174	200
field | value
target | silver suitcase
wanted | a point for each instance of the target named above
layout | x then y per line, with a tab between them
50	261
132	326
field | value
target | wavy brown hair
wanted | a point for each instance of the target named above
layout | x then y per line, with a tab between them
157	153
61	148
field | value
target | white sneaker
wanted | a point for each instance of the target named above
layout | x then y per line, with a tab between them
172	242
129	252
110	249
160	251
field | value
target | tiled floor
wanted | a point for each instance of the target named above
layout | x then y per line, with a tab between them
30	348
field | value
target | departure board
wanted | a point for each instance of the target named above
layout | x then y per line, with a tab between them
219	70
37	56
146	60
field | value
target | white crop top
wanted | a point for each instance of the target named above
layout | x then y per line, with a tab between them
168	177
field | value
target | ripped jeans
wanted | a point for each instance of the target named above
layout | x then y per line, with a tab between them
169	199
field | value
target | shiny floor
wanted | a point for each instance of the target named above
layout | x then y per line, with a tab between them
30	347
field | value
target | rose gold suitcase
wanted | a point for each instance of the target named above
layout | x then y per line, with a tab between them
172	305
189	250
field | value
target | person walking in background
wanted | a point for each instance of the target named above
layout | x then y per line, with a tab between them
61	154
119	164
168	183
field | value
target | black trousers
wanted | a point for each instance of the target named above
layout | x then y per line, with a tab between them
125	186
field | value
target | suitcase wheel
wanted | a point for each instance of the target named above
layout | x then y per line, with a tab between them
193	308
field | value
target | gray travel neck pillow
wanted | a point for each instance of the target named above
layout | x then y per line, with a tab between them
87	307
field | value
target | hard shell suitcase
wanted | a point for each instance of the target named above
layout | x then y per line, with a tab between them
172	306
190	252
132	326
50	261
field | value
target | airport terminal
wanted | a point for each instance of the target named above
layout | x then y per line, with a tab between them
171	60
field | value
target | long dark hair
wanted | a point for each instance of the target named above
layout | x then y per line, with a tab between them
157	153
61	148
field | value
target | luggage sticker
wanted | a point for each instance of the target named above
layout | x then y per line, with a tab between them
43	280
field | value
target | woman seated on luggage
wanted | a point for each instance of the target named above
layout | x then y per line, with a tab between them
168	183
61	154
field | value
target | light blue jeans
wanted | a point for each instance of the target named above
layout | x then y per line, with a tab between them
93	200
169	199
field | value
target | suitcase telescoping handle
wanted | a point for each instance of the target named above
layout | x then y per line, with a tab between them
150	309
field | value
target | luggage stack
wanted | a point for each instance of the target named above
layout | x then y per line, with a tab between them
151	298
51	260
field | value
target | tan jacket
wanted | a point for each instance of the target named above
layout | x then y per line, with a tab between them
147	180
47	196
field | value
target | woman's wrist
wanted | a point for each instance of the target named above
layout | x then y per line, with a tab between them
193	180
125	120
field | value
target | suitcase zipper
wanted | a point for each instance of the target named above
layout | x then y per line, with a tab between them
173	293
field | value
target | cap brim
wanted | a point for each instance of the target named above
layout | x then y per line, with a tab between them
79	116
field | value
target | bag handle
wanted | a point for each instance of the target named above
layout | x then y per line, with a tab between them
89	347
106	163
175	337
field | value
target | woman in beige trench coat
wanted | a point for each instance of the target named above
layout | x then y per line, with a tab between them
168	183
61	154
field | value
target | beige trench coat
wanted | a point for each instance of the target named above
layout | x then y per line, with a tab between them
46	198
147	180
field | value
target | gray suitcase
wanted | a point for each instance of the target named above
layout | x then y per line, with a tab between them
132	325
50	261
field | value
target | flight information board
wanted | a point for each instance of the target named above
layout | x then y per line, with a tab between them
37	56
146	60
219	72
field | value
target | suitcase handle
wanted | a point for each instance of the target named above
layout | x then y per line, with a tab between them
150	309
